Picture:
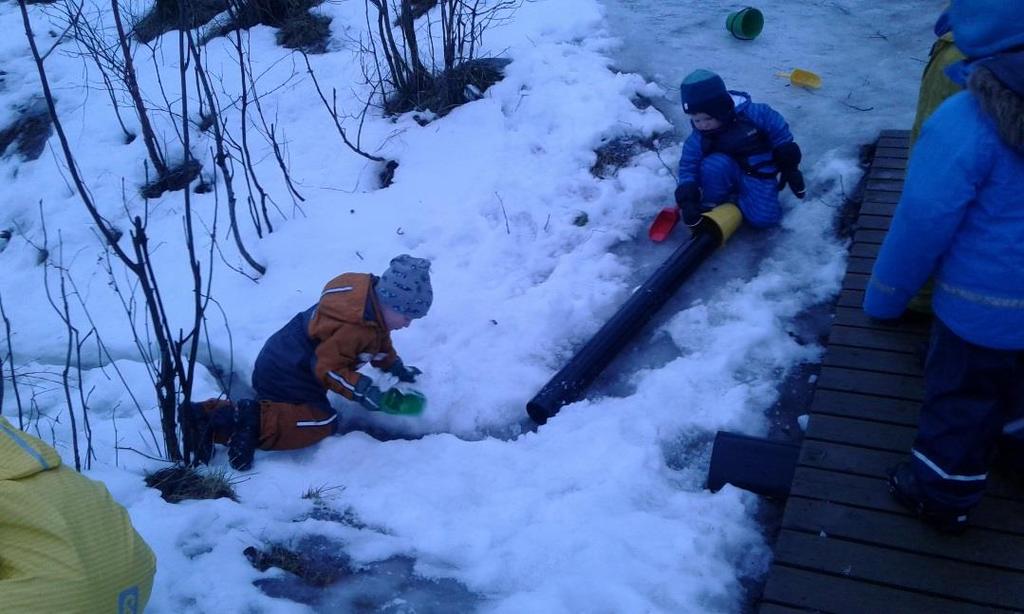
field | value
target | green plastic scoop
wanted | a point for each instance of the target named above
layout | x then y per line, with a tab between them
399	403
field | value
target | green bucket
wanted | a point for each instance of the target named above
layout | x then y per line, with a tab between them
409	403
745	24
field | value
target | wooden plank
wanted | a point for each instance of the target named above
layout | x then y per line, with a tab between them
892	163
899	386
884	185
876	464
882	172
855	281
875	208
902	532
845	488
865	250
890	148
855	316
896	134
852	405
986	586
881	197
1005	485
872	360
854	432
992	513
893	341
901	146
888	145
849	459
850	298
873	222
860	265
868	235
842	595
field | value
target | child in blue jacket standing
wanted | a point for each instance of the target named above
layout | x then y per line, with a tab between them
961	219
734	154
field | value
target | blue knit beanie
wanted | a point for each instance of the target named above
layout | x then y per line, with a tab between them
985	27
702	91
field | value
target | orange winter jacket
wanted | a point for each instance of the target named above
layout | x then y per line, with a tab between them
349	331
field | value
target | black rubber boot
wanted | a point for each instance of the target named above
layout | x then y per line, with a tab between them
907	491
201	431
242	445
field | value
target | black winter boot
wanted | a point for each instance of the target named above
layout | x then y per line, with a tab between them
242	445
201	433
905	488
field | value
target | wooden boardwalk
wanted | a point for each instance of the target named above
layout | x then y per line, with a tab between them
845	545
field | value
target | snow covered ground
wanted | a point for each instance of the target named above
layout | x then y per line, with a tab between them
601	510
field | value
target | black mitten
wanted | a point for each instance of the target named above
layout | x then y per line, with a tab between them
787	158
687	193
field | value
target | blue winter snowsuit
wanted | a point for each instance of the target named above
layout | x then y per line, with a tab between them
749	174
961	219
284	369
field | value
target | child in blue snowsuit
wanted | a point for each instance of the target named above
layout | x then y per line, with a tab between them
734	154
961	220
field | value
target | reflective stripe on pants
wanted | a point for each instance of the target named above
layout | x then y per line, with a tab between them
290	426
971	392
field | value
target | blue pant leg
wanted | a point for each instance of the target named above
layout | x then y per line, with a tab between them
961	418
722	180
1011	443
759	201
719	178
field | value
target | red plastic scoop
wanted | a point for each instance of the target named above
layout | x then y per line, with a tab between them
663	224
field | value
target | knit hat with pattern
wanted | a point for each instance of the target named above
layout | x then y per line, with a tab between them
405	286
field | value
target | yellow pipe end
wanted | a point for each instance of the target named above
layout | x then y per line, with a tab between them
726	218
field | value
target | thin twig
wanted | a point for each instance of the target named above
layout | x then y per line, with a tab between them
503	212
333	111
853	106
144	455
10	361
72	24
102	346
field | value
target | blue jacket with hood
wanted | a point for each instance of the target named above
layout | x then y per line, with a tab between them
961	216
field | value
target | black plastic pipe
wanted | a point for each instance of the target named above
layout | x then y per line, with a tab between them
569	383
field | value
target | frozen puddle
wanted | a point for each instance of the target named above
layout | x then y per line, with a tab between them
321	576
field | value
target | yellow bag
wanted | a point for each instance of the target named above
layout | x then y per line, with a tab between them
65	544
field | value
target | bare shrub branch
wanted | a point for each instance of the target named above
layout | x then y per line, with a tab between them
10	364
175	371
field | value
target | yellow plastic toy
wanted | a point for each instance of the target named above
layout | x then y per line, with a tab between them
727	218
801	78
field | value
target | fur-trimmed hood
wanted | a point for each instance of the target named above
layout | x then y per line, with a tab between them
1000	101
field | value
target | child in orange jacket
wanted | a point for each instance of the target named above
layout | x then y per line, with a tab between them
320	349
